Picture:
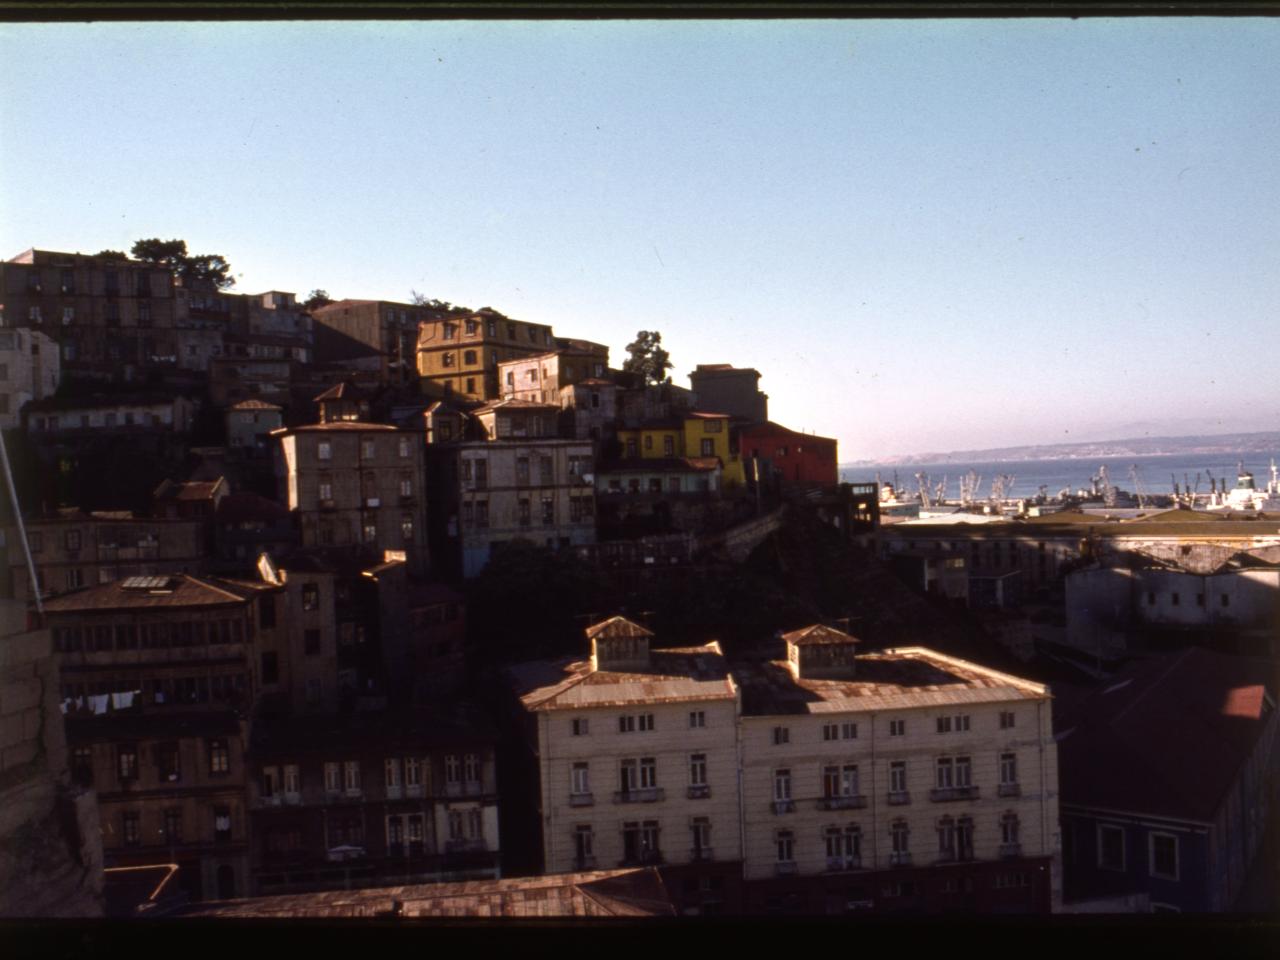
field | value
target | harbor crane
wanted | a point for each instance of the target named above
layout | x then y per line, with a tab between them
922	480
1137	486
1108	491
969	485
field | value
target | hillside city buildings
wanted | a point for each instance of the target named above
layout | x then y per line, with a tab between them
248	666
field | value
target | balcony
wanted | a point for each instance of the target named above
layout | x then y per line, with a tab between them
644	859
700	792
840	864
900	859
414	791
898	798
1009	851
948	794
582	800
462	788
474	845
700	855
1008	790
786	868
850	802
644	795
784	806
394	792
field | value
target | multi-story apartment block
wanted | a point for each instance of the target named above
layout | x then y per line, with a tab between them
541	377
112	319
692	435
357	485
902	779
458	354
30	368
250	421
155	674
77	549
520	482
372	799
589	409
389	328
637	754
734	390
62	417
787	458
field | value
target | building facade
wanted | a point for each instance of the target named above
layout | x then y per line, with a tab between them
458	355
30	368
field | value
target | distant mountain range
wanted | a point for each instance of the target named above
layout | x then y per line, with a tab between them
1266	442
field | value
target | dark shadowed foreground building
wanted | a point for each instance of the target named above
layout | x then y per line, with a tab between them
1168	775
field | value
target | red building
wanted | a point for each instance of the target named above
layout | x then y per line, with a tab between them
793	459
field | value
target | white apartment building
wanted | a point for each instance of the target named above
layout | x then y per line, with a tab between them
637	752
896	761
30	367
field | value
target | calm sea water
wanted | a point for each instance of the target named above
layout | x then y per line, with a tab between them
1154	473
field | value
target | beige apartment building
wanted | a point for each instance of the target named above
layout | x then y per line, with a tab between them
357	485
384	327
905	778
541	377
637	752
458	355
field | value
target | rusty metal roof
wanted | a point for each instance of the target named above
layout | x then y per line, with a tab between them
602	893
182	590
819	633
902	679
675	675
617	627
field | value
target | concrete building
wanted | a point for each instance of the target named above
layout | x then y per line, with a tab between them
896	781
542	377
358	486
785	458
589	410
458	354
733	390
112	319
636	752
155	672
520	482
386	327
250	422
695	434
30	368
75	549
1168	784
62	417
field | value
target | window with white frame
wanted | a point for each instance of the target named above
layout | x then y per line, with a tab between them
351	776
848	730
626	723
898	776
292	779
697	719
700	837
391	768
900	838
786	846
1007	719
645	721
452	768
324	450
1009	829
648	773
333	777
580	779
697	770
830	731
412	772
404	447
1111	854
584	845
944	773
897	728
946	839
782	784
1008	769
579	726
840	780
964	772
1162	855
781	735
471	768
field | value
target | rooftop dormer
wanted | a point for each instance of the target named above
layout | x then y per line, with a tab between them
343	401
820	652
619	645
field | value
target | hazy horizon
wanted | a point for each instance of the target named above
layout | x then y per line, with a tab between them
926	235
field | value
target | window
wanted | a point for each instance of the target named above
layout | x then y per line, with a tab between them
1009	830
848	731
627	776
127	761
219	757
168	762
469	357
548	511
580	780
897	728
173	825
482	513
1162	855
1007	718
786	846
626	724
333	777
964	839
781	735
958	724
369	529
270	781
351	776
366	449
698	770
708	448
700	838
1111	847
129	828
946	839
452	769
898	776
403	446
471	768
270	667
668	446
73	540
840	780
310	596
697	719
406	527
221	824
900	837
324	450
522	471
1008	769
648	773
580	726
325	490
583	846
1226	600
82	766
844	847
944	778
782	785
292	780
524	512
831	731
963	768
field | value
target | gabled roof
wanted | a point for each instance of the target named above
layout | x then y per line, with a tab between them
771	429
342	390
675	675
179	590
616	627
255	405
1166	737
188	491
819	633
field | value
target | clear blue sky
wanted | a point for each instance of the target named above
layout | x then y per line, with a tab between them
925	235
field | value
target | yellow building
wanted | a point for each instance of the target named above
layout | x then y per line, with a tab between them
693	435
458	356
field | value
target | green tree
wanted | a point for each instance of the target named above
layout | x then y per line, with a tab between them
647	358
112	255
317	298
173	255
